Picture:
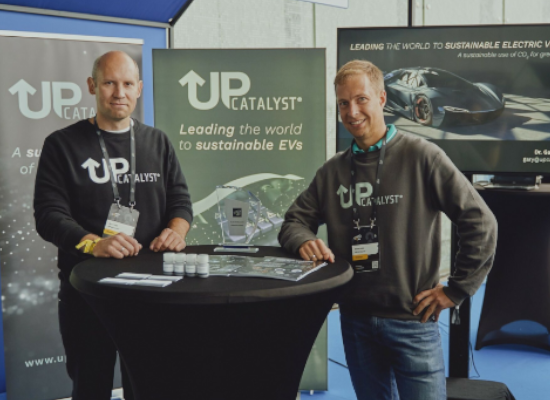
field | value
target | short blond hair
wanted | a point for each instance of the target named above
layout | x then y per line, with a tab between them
358	67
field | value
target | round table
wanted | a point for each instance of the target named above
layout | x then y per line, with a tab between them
216	338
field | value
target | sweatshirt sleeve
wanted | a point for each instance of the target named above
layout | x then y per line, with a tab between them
178	200
52	206
477	227
302	219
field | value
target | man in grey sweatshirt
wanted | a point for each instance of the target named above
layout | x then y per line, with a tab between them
382	201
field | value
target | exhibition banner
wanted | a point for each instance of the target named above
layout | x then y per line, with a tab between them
253	119
247	118
42	89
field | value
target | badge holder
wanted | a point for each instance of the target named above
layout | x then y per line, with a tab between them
121	219
365	253
239	212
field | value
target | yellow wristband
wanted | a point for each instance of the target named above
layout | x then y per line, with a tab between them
87	245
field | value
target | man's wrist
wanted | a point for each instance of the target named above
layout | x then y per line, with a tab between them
90	236
179	226
455	295
87	246
179	233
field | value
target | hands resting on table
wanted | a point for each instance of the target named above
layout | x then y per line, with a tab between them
431	301
316	250
122	245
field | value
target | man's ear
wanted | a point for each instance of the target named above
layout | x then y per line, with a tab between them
91	85
383	98
140	86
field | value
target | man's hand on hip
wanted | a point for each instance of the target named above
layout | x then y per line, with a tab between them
117	246
433	301
316	250
168	240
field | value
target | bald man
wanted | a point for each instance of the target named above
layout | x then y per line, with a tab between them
93	199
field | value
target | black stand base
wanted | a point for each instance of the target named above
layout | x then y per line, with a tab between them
541	341
466	389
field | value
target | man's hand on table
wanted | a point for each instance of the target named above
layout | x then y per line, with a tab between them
168	240
117	246
434	301
316	250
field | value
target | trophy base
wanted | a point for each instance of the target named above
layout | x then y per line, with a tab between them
235	248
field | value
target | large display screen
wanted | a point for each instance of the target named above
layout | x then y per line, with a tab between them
481	93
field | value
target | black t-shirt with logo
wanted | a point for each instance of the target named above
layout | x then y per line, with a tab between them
73	191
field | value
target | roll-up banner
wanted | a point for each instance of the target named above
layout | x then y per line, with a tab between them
250	118
42	89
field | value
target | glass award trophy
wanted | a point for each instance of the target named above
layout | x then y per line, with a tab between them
238	214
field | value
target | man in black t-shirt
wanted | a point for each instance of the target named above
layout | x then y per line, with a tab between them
84	170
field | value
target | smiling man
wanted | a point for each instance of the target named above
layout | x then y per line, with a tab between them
382	201
105	187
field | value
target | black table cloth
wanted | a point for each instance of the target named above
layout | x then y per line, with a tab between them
517	287
216	338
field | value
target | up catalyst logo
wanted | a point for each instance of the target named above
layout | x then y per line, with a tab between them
52	95
363	196
193	80
120	168
233	97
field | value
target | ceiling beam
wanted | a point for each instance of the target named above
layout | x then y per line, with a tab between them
90	17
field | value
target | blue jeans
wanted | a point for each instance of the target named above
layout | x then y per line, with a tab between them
392	359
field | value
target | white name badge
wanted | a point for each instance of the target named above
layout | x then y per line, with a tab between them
121	219
364	249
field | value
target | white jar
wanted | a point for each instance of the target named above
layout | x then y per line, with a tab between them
190	265
203	267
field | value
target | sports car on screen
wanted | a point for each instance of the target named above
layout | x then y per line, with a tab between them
435	97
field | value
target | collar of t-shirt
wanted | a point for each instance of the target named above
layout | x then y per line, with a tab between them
378	145
122	130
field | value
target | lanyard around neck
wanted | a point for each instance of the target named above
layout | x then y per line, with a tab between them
356	218
132	165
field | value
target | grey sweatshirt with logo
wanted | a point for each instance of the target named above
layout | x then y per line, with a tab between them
417	183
